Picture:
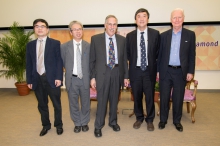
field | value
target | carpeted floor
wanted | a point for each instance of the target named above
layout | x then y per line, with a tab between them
20	124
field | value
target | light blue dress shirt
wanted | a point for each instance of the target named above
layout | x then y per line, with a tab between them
175	49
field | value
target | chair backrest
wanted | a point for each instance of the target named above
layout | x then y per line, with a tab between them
190	94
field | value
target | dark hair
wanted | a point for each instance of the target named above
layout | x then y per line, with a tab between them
40	20
141	10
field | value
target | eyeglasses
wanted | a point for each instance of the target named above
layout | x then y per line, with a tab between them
42	26
79	29
110	24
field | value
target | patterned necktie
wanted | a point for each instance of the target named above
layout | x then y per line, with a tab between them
143	53
78	61
40	59
111	54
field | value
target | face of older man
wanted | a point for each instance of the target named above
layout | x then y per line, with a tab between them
111	26
177	19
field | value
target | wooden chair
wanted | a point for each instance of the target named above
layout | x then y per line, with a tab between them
189	98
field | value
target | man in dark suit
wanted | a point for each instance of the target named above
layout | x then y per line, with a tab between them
142	51
77	77
176	65
109	71
44	72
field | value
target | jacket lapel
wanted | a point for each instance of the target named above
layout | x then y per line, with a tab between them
149	42
34	50
83	47
71	49
183	39
103	51
118	46
47	47
168	42
135	47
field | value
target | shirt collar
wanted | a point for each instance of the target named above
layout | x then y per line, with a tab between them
44	39
145	31
107	36
180	31
75	42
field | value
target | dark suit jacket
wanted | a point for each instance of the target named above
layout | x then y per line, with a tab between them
52	61
187	52
152	52
67	53
98	58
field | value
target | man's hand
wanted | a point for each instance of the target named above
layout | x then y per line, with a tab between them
189	77
57	83
30	86
126	82
93	83
158	75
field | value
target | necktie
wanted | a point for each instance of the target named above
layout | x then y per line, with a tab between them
111	60
143	53
40	59
78	59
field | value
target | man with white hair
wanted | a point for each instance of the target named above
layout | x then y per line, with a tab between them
176	66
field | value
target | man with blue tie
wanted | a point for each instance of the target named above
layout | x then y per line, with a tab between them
44	73
176	65
109	71
142	51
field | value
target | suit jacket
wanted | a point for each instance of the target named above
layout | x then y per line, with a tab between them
98	59
67	53
187	52
52	61
152	52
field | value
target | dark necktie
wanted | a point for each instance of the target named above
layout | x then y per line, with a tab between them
143	53
111	60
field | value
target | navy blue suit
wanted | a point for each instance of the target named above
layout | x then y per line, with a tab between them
44	85
175	78
143	81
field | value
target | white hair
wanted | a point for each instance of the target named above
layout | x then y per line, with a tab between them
178	9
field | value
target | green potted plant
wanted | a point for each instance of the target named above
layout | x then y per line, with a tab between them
12	56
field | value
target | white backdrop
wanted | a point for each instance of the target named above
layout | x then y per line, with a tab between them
61	12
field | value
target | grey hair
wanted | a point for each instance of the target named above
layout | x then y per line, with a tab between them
178	9
75	22
110	16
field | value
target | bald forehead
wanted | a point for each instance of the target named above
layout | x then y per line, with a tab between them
178	11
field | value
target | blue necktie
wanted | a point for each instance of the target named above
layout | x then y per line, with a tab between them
143	53
111	60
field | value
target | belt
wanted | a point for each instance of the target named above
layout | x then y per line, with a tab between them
139	66
116	65
74	75
176	67
43	74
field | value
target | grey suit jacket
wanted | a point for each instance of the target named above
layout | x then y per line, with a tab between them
98	59
67	53
187	52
